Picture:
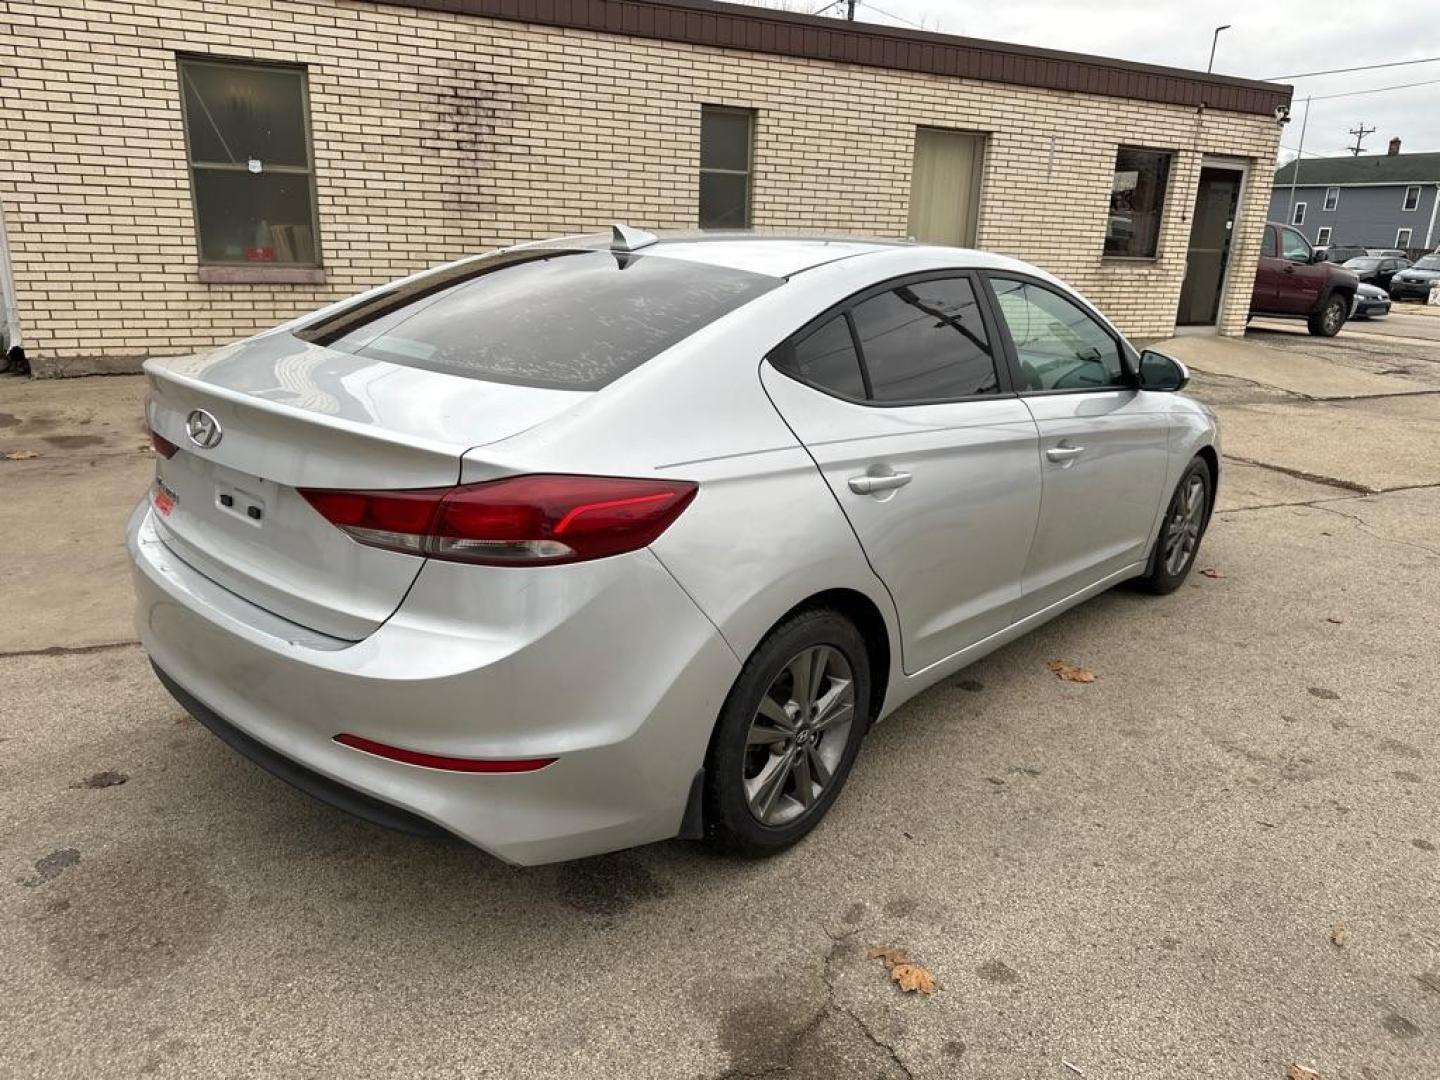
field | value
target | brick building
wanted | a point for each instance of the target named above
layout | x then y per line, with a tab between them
178	173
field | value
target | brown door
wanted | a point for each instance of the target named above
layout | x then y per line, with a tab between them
1212	226
945	186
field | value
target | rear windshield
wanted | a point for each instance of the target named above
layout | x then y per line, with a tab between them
569	320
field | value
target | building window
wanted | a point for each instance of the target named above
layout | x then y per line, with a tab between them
1298	218
726	138
1322	236
1332	198
1412	198
1137	196
1402	239
247	131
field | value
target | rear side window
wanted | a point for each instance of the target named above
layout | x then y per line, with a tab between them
925	341
825	358
561	319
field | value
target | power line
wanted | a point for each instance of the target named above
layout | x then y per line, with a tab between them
1374	90
1362	67
891	14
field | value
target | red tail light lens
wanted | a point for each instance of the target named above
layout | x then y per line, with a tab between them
163	446
523	520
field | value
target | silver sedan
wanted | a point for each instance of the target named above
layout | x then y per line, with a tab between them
589	543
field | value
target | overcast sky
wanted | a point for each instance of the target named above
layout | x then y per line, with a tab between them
1268	38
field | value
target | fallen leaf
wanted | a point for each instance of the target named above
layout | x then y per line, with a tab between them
20	455
1070	673
1300	1072
1212	572
888	955
913	977
1332	619
1339	935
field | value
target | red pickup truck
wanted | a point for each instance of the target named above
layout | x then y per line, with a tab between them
1296	281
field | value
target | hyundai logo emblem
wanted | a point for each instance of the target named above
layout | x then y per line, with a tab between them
203	429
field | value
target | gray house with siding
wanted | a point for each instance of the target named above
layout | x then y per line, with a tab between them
1377	201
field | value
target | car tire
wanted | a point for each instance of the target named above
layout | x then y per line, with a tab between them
1184	523
1327	321
770	738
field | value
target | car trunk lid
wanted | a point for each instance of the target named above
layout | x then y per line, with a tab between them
288	415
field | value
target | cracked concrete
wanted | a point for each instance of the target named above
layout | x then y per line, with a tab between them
1133	878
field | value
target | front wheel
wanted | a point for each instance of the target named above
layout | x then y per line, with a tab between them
1330	318
1181	531
788	734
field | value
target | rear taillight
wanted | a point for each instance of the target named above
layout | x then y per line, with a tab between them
522	520
163	446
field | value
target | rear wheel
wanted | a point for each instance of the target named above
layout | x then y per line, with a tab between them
788	734
1331	317
1181	531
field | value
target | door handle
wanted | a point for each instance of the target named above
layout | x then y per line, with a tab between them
870	485
1064	453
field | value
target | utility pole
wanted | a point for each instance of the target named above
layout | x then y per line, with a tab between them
1359	133
850	10
1215	40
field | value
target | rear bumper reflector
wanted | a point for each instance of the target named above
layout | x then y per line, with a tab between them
441	761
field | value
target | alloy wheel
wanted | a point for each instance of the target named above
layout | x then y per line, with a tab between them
798	736
1187	515
1334	317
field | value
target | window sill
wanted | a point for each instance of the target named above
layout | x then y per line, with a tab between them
262	275
1130	260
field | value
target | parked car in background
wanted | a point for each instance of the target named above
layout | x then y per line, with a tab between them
1342	253
1394	253
582	545
1377	270
1414	283
1371	302
1294	281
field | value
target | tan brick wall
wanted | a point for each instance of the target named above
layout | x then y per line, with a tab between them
437	135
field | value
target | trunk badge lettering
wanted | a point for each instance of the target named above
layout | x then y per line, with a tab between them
204	430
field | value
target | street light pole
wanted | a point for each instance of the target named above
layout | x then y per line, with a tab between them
1214	40
1299	154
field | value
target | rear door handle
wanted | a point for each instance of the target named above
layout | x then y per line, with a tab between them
1064	453
869	485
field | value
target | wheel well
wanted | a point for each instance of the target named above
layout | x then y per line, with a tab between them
1212	459
1337	290
860	610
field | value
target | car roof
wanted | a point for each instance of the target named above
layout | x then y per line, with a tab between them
781	255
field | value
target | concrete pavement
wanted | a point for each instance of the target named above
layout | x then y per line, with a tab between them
1134	878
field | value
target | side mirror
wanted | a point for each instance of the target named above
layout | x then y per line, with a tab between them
1320	255
1161	372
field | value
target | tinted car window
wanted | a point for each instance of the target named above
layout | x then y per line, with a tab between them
570	320
925	341
1267	246
825	358
1058	344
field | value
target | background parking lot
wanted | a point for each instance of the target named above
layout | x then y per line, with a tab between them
1217	859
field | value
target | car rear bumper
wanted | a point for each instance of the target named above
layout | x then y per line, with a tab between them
621	685
1404	290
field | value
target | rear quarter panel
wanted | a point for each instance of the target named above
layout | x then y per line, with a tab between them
764	532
